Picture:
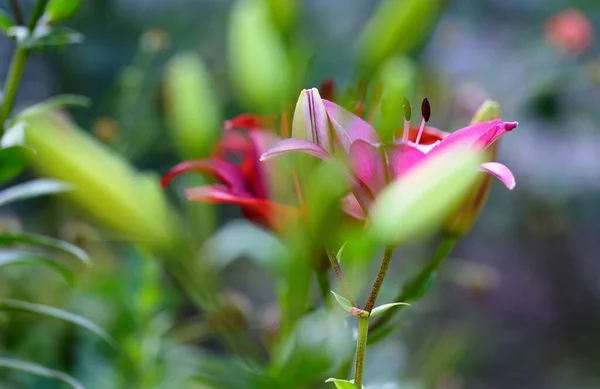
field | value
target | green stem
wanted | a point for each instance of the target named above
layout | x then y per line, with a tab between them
17	67
383	268
361	347
417	283
363	322
11	87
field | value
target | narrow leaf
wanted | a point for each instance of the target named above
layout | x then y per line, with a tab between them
46	242
13	160
6	21
14	136
45	310
340	252
19	257
34	188
39	370
382	308
342	384
344	302
56	102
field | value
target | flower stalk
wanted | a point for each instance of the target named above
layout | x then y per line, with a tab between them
17	66
11	87
412	288
363	321
361	347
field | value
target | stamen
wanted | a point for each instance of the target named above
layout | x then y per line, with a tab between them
426	112
407	112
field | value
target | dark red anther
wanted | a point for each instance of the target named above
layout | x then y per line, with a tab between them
426	109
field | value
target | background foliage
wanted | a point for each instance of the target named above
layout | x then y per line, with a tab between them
517	305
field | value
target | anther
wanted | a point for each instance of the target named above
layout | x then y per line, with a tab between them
426	112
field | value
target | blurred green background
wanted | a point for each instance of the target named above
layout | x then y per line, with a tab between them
516	306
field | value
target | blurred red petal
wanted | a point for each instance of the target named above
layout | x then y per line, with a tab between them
263	212
225	171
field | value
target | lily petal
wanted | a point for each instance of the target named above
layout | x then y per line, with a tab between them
348	126
402	157
310	119
480	135
501	172
250	122
352	207
225	171
295	145
260	211
368	164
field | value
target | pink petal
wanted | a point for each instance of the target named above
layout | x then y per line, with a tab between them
480	135
212	194
225	171
295	145
368	164
349	127
310	119
402	157
263	212
352	207
501	172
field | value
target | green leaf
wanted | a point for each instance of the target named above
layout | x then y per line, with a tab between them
55	103
39	370
14	157
44	36
241	239
14	136
20	257
33	188
344	302
382	308
6	21
342	384
56	313
340	252
13	161
60	10
417	204
45	242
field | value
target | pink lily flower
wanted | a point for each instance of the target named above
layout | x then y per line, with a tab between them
248	184
322	128
375	165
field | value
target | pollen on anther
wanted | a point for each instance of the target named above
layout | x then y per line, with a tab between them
426	109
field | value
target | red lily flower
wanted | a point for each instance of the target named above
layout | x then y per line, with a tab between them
247	184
